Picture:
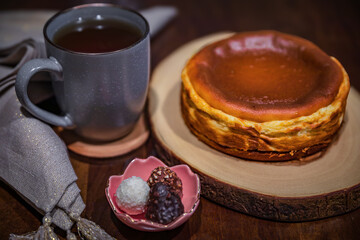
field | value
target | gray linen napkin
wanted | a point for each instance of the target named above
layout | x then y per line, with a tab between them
33	159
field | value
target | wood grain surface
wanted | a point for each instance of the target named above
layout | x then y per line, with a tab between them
332	25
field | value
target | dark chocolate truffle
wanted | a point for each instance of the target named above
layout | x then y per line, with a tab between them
164	206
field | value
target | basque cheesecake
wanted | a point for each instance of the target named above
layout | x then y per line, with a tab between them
264	95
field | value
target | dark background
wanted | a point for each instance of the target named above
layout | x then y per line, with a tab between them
333	25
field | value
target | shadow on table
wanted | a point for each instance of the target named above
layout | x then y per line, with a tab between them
182	232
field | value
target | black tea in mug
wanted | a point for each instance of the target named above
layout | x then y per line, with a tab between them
97	36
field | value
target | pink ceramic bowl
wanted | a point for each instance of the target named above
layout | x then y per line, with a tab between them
142	168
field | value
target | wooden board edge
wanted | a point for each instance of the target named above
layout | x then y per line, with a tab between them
287	209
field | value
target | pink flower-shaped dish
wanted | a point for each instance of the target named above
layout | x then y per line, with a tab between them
142	168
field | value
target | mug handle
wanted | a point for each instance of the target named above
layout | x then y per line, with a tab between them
21	87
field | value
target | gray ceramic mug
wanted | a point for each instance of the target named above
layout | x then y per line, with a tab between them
101	95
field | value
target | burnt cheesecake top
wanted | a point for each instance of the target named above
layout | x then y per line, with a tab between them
264	76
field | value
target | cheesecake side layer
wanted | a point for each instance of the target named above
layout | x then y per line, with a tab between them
269	140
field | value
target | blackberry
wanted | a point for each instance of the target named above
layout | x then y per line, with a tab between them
163	206
168	177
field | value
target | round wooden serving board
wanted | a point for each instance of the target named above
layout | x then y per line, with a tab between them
287	191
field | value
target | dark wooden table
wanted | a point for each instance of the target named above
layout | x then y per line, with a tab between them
332	25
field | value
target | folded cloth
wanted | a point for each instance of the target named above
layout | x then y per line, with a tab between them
33	159
24	139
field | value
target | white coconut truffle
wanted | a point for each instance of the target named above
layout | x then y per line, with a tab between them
132	195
